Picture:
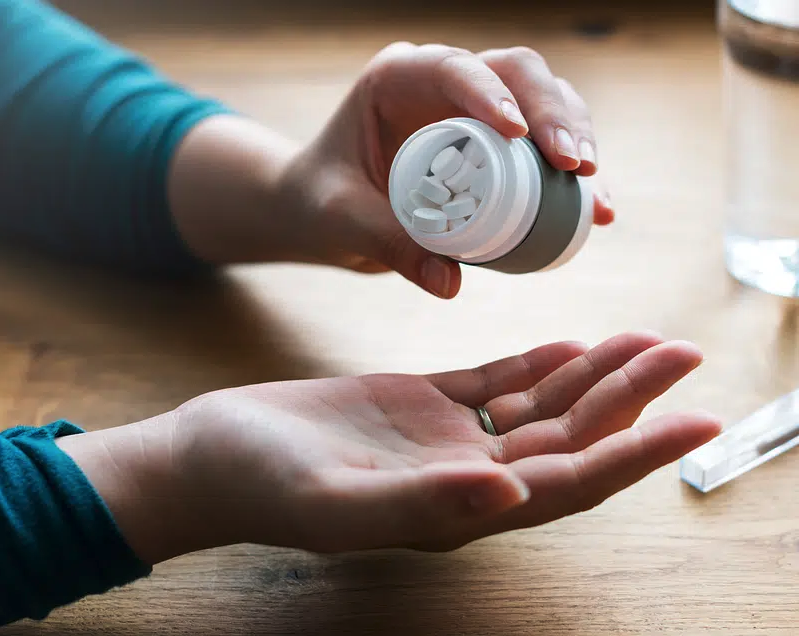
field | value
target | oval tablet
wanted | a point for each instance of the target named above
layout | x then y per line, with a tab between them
473	153
446	163
434	190
462	179
430	220
461	206
419	201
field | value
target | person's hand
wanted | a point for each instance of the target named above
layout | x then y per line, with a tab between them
396	460
342	178
241	194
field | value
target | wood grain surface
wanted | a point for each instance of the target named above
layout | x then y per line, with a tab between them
656	559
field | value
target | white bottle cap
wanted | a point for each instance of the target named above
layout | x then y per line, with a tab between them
530	217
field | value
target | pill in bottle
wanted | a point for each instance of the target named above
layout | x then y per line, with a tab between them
461	189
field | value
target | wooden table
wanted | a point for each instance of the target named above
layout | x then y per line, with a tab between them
658	558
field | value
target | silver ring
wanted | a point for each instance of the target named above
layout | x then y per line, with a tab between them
488	425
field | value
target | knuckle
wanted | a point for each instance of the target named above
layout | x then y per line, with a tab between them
630	379
500	449
385	60
526	55
449	60
590	363
550	110
522	61
532	403
393	51
484	379
567	422
442	51
585	497
527	365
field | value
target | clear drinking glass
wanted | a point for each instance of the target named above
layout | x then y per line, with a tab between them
761	82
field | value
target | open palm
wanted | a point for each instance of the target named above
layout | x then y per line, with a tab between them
400	460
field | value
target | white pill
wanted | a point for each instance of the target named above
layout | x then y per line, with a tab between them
409	206
434	190
454	224
419	201
462	179
461	206
473	153
446	163
430	220
478	187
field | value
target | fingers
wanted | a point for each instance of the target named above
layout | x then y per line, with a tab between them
386	508
567	484
466	80
558	118
615	403
512	90
581	128
562	485
477	387
558	392
437	82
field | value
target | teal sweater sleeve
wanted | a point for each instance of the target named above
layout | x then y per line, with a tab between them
87	132
58	540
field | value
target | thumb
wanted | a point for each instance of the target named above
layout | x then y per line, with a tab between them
385	508
380	236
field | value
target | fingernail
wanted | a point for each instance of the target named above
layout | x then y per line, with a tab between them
564	144
587	152
436	277
512	113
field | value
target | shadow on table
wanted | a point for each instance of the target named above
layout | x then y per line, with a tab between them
501	590
469	593
194	335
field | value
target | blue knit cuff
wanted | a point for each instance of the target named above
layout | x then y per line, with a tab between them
60	541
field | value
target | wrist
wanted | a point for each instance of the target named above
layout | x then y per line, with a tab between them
136	470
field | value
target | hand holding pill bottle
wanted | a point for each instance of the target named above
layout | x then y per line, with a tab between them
441	157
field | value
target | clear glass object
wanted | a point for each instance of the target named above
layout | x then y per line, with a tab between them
767	433
761	82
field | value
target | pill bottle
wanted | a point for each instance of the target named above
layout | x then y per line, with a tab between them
495	203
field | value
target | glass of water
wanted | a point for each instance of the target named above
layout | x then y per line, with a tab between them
761	82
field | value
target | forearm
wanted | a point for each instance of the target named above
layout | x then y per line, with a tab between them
228	192
87	137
